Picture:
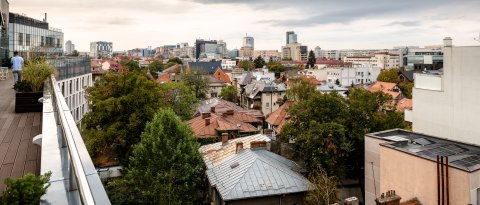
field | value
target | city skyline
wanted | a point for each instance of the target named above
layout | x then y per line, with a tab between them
330	25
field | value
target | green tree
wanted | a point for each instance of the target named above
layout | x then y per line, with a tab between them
300	89
130	65
311	59
26	190
175	60
390	75
165	166
229	93
259	62
246	65
197	82
406	88
180	98
155	67
121	104
276	67
323	190
75	53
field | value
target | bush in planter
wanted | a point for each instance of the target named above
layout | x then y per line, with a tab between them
26	190
36	71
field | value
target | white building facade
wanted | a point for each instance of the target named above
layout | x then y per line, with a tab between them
357	75
73	89
445	104
101	49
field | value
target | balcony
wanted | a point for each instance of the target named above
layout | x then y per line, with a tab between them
74	177
428	81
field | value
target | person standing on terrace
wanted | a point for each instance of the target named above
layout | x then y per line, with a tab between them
17	65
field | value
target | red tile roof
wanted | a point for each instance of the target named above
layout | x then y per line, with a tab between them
219	74
386	88
163	78
280	116
219	123
404	104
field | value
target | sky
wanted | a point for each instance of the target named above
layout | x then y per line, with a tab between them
329	24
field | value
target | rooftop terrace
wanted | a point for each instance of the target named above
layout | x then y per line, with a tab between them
18	155
460	155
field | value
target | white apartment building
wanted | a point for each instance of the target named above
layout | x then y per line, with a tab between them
356	75
73	89
445	103
383	60
228	64
101	49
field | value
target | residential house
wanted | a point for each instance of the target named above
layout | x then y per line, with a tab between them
357	75
432	169
221	106
213	124
243	171
221	75
172	73
277	119
387	88
215	86
264	95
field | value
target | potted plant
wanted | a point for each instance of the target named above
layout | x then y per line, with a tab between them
30	89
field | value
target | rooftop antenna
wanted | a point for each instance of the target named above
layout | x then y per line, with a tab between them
477	38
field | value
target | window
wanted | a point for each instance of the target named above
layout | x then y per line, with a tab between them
20	39
267	104
27	39
214	95
42	42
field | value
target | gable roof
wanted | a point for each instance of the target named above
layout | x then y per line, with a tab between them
386	87
256	173
404	104
222	106
219	74
207	67
279	117
219	123
407	75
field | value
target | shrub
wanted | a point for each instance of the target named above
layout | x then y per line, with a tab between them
26	190
36	72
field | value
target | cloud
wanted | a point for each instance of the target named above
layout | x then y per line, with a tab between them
404	23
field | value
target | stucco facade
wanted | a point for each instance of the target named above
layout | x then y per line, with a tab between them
446	104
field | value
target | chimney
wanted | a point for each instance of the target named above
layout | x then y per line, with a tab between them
224	138
205	115
389	198
207	121
45	17
258	144
229	112
212	109
239	147
447	42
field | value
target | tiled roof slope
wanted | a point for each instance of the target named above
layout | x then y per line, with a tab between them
218	123
256	173
279	117
215	153
222	106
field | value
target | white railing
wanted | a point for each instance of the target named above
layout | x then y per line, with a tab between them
74	178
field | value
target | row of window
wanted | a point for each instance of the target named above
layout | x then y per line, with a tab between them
44	41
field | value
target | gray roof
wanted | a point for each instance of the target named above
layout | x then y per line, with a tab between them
256	173
331	87
264	85
209	67
460	155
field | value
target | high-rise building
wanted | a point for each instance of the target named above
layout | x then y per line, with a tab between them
201	45
69	47
31	37
291	37
294	52
248	42
101	49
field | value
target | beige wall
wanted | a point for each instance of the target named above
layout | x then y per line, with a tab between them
411	176
271	101
372	154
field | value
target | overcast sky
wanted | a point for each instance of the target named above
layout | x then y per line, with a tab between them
330	24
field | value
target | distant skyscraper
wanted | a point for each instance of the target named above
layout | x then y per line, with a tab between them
248	42
69	47
291	37
202	46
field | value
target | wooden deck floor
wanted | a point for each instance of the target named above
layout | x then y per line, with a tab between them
18	155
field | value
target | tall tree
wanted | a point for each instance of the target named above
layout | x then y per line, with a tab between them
300	89
324	189
164	167
180	98
389	76
246	65
121	104
229	93
311	59
197	82
259	62
175	60
276	67
130	65
155	67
